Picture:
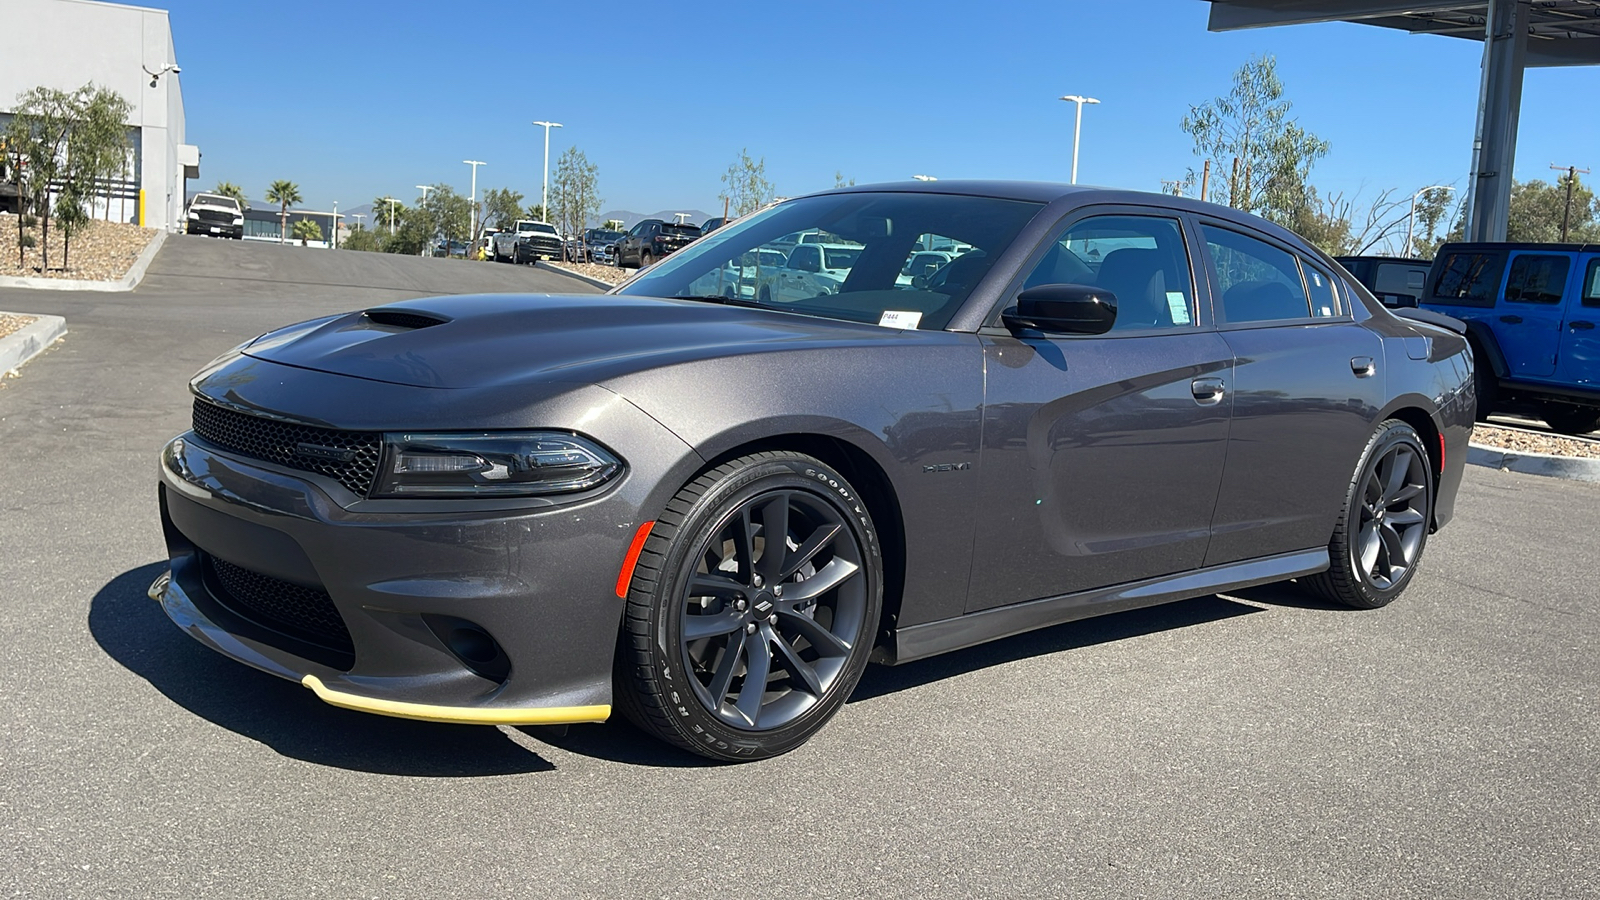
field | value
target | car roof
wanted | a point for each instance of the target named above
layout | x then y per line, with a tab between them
1407	260
1077	195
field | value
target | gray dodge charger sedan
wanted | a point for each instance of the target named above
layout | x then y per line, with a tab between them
714	495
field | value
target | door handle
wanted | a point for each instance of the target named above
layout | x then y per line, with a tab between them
1511	320
1580	325
1208	391
1363	366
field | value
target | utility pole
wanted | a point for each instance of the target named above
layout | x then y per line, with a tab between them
1572	179
1205	182
1233	185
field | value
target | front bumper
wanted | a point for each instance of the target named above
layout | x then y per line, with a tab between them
220	229
538	579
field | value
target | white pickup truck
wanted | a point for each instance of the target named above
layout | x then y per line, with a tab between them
525	243
811	270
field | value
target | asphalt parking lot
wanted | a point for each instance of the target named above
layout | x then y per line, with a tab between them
1262	745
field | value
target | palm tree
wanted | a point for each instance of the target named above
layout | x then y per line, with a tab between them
283	193
307	230
229	189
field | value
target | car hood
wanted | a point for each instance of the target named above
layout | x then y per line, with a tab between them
502	339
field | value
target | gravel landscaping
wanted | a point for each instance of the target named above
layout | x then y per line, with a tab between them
608	274
104	251
11	322
1529	442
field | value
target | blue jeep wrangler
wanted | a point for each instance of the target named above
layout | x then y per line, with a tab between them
1531	311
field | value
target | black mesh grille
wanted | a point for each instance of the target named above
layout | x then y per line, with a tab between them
350	457
302	612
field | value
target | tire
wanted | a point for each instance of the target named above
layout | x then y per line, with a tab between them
1570	419
816	644
766	294
646	260
1383	527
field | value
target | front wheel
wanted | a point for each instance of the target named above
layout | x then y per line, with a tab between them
752	609
1383	527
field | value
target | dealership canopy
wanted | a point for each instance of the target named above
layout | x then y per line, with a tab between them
1516	34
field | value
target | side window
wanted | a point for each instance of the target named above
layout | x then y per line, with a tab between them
804	258
1324	300
1140	259
1467	279
1536	279
1256	281
1591	284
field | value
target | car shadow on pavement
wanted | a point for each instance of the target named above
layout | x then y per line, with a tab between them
1286	594
618	741
881	680
133	630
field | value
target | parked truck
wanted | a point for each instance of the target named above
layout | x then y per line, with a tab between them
526	242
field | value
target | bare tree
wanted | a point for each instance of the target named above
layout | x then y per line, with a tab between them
745	185
573	197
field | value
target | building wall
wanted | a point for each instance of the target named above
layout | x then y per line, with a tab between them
65	43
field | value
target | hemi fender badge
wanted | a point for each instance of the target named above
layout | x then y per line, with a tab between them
947	467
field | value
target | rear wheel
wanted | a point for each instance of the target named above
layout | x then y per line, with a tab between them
1571	419
1383	527
646	260
752	609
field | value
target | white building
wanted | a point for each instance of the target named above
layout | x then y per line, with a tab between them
65	44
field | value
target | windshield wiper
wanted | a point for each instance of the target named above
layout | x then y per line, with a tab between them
725	301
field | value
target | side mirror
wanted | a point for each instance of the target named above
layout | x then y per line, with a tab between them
919	282
1064	309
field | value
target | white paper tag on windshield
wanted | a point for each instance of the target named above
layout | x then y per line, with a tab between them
899	318
1179	306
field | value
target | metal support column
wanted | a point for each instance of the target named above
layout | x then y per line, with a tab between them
1494	151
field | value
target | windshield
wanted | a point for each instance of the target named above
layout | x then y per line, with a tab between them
535	227
214	200
858	281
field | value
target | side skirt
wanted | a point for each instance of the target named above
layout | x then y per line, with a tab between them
932	638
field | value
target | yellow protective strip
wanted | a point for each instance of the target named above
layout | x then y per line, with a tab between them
458	715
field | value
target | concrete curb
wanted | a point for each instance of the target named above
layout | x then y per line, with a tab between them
1569	467
595	282
126	283
29	341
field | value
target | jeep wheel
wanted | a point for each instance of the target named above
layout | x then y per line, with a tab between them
752	610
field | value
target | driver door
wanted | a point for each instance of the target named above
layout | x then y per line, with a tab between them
1102	454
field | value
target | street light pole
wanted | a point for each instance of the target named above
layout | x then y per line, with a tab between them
1411	219
424	188
1077	128
472	200
391	201
544	195
335	224
924	178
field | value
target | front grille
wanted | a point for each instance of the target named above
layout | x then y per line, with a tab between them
349	457
302	612
215	216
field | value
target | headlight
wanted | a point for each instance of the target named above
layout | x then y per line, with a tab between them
238	220
193	214
500	464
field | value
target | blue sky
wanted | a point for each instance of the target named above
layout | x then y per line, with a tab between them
357	99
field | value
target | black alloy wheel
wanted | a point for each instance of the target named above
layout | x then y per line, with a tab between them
752	610
1385	522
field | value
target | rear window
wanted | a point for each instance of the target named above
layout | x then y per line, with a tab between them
686	231
1591	283
1467	279
1537	279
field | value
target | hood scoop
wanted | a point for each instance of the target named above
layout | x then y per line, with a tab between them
408	319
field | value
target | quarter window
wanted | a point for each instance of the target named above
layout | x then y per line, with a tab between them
1324	301
1591	283
1537	279
1140	259
1257	281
